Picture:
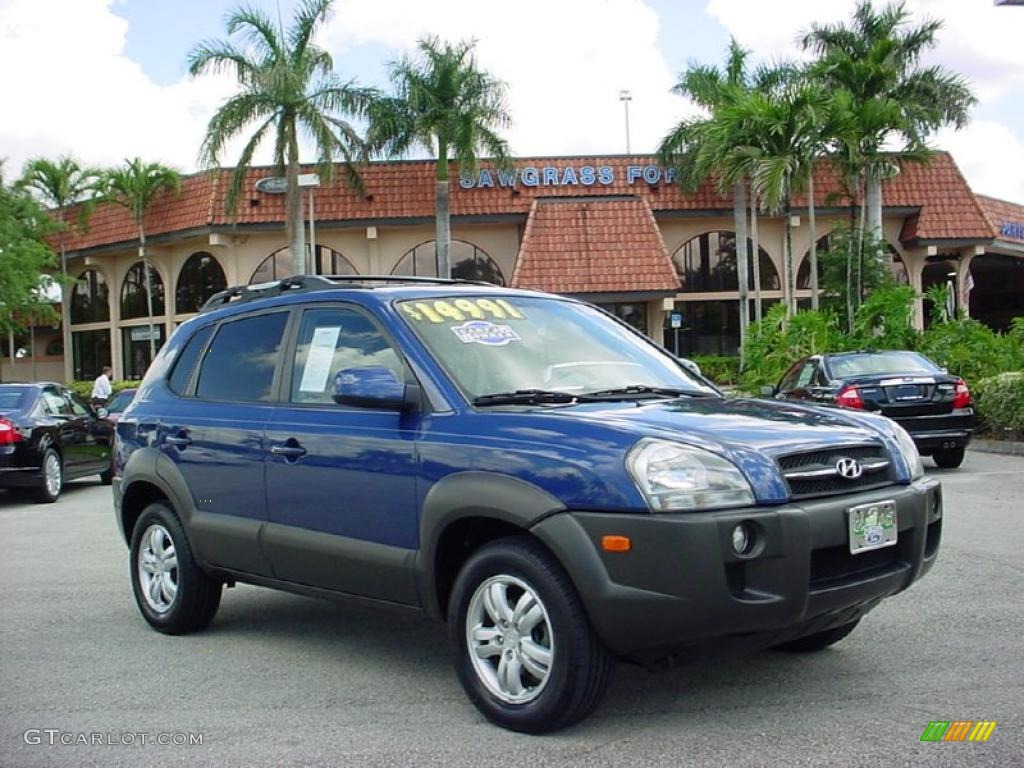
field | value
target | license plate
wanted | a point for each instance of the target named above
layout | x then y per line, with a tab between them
909	392
872	526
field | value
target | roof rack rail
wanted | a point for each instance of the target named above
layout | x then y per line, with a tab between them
303	283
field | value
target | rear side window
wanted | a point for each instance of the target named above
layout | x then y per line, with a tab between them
240	363
186	363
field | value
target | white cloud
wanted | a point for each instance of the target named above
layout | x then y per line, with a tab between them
68	87
978	40
565	63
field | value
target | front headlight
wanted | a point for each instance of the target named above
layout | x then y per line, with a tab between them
673	477
909	451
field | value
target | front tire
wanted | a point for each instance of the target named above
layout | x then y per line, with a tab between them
818	641
173	593
950	458
52	481
523	647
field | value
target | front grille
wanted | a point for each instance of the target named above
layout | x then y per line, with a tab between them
835	566
814	473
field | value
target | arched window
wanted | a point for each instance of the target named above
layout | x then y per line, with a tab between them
201	277
90	299
468	262
803	275
708	263
133	292
278	265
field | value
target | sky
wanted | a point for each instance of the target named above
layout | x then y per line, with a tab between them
106	79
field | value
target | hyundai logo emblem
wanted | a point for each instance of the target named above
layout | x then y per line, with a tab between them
849	468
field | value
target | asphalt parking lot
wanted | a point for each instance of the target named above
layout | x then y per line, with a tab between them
286	680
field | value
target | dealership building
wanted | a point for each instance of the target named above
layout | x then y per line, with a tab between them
616	231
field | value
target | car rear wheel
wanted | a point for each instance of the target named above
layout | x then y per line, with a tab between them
819	641
950	458
173	593
52	481
523	647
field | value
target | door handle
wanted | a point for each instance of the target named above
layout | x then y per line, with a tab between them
289	451
180	440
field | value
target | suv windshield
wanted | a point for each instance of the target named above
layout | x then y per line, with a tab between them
537	346
880	363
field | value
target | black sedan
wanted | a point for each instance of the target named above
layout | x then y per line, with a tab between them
49	435
934	406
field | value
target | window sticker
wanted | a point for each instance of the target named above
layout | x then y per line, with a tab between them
486	333
319	359
460	310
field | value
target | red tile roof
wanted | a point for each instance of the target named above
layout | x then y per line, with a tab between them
1007	218
593	246
405	190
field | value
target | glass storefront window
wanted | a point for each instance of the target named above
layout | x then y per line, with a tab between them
708	328
278	265
468	262
133	292
707	263
135	348
91	353
89	299
633	313
200	277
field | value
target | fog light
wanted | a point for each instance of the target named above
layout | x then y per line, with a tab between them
742	539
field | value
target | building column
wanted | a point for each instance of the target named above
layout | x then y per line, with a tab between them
913	260
656	311
963	270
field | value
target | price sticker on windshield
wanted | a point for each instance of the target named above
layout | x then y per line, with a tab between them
460	310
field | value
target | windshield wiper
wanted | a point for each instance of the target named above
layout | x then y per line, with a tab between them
638	390
525	397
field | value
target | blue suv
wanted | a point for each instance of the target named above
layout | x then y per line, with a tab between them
557	487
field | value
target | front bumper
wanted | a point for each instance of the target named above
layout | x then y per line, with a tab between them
682	585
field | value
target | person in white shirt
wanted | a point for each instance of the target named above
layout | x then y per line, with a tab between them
101	389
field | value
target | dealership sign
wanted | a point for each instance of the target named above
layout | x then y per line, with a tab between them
1014	229
565	176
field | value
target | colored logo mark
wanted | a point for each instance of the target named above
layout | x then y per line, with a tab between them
958	730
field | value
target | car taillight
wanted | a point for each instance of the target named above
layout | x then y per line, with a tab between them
961	394
849	397
9	433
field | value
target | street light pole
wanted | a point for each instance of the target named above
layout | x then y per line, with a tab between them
625	97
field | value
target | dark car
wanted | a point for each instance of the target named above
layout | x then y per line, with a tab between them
115	407
934	406
528	468
49	435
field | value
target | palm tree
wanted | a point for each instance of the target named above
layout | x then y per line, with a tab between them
288	87
877	61
688	149
134	186
446	104
60	184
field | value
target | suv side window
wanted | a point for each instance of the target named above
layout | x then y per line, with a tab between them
55	404
240	363
188	358
333	338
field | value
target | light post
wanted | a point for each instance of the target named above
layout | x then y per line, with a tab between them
312	181
625	97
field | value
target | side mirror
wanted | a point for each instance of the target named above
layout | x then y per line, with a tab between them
767	390
691	366
374	386
102	413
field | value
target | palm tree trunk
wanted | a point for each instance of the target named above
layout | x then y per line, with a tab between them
850	251
788	294
756	244
293	206
739	212
443	233
873	203
812	224
861	231
65	309
149	291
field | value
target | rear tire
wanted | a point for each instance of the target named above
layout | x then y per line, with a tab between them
819	641
950	458
173	593
52	481
523	647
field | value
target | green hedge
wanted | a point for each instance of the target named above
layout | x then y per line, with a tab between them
999	401
720	369
84	388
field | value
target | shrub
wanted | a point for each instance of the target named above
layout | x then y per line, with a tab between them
999	401
774	344
973	350
84	388
721	370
